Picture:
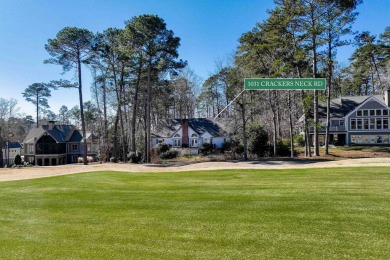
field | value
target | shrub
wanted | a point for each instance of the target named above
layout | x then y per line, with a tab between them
206	149
257	140
135	157
299	140
18	159
170	154
284	148
162	148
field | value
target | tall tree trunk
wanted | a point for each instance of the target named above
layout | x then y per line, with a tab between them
37	108
278	116
105	135
82	111
330	71
116	135
271	99
121	87
316	141
148	115
291	124
242	105
146	130
135	105
101	122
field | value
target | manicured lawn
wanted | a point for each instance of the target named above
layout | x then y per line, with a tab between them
245	214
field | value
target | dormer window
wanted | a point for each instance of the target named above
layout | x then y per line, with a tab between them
176	135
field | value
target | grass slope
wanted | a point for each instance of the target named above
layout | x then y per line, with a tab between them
289	214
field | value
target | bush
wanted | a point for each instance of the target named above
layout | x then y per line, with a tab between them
170	154
81	159
257	140
135	157
299	140
206	149
162	148
284	148
232	148
18	159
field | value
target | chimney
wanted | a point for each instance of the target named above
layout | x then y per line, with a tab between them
387	97
52	124
184	124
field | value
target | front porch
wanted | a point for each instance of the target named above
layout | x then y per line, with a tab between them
50	159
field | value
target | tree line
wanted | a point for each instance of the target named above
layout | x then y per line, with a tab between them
139	80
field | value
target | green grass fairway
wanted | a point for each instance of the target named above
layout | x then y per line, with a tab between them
232	214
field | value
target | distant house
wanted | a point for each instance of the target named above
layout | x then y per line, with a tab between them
358	120
191	133
53	144
10	150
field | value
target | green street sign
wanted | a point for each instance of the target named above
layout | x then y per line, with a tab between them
285	84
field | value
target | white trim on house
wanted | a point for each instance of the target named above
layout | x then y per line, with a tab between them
363	103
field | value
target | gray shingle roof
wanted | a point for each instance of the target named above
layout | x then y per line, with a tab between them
216	127
60	133
340	107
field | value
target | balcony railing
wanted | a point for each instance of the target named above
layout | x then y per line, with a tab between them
331	129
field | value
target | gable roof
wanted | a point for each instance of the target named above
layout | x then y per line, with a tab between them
167	128
60	133
342	106
12	145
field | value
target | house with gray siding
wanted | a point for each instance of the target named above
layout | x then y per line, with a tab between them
358	120
190	133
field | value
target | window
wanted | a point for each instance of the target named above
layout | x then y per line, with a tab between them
206	140
341	122
372	112
372	139
159	141
385	123
372	123
360	139
365	112
366	139
74	158
366	123
88	148
194	135
353	123
385	112
176	142
359	124
353	139
378	139
379	123
378	112
30	148
194	142
176	135
74	147
359	113
385	139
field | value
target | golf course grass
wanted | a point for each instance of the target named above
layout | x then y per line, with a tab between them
230	214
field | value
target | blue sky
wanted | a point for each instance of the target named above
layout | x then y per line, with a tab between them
208	30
